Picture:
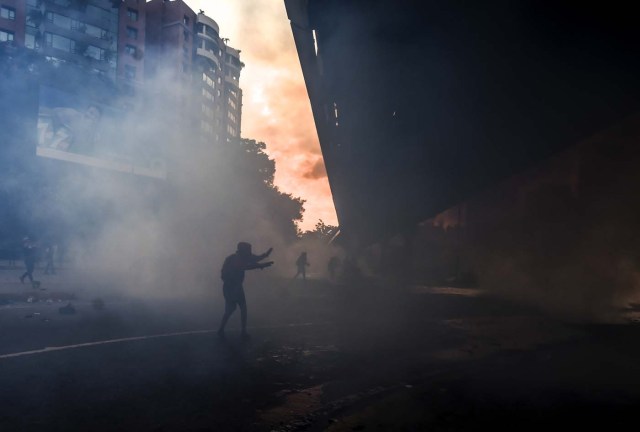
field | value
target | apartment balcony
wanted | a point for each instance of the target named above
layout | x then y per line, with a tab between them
208	55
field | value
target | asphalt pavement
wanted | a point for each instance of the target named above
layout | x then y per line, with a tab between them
323	356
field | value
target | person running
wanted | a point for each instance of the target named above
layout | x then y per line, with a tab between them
29	255
302	264
232	275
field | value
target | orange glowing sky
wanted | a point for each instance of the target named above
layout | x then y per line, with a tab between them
276	107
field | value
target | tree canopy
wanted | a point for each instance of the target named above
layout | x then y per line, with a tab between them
253	173
322	231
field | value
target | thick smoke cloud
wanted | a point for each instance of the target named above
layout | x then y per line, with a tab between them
141	235
276	106
569	243
316	170
561	237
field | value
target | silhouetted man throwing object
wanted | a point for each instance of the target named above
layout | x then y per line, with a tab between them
233	275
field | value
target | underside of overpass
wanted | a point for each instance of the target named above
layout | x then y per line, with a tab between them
420	106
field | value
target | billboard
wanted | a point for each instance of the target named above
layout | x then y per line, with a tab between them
77	129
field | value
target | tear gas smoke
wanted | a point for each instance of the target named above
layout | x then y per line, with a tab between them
561	236
148	236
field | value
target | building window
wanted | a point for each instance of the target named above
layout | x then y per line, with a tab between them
211	32
94	11
132	14
6	36
76	25
207	111
207	95
185	20
95	52
7	13
212	47
129	72
96	32
60	42
132	33
208	80
206	127
29	41
131	50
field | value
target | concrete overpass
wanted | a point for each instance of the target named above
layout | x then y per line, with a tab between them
420	106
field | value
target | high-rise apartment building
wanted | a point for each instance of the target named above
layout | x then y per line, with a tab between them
12	21
169	40
232	92
189	48
208	71
83	33
141	93
131	44
106	36
168	73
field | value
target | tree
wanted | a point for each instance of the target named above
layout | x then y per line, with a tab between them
322	231
249	174
214	196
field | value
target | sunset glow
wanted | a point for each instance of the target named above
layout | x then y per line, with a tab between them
276	107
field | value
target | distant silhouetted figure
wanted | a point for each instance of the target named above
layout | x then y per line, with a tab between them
302	264
49	252
332	266
233	276
29	256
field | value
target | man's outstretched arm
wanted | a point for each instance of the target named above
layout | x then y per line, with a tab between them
263	256
258	265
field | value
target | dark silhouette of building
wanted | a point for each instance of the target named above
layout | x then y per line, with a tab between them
420	105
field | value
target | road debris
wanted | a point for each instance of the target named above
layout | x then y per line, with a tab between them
67	310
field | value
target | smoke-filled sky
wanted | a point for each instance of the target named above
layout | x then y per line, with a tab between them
276	107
